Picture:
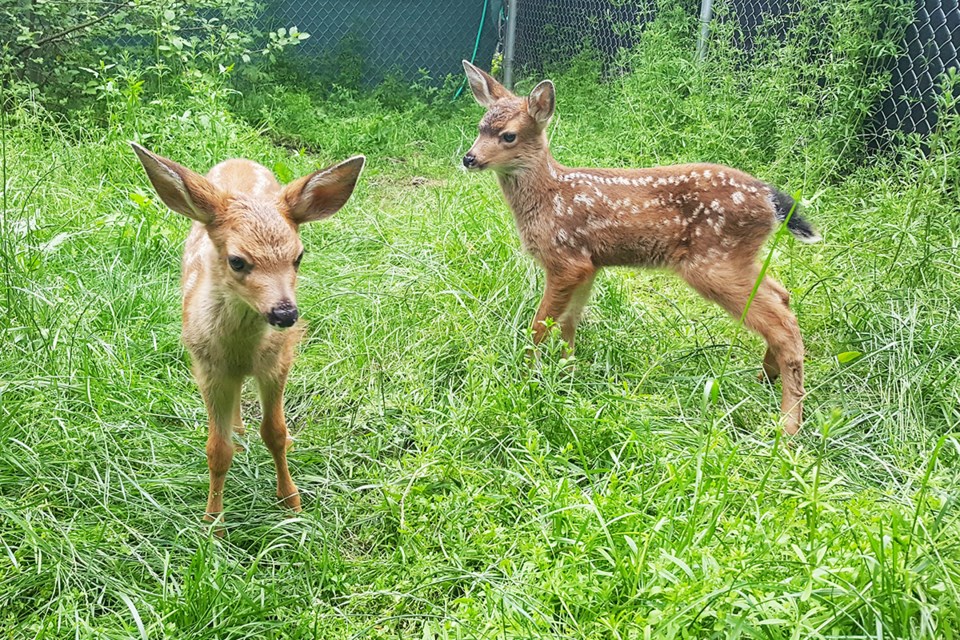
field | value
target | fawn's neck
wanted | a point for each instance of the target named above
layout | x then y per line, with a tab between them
529	190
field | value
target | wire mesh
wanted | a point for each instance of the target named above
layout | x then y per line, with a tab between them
554	31
930	48
368	40
557	30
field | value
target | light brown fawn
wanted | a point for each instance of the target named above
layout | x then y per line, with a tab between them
706	222
239	277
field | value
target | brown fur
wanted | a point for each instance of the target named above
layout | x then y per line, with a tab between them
240	210
705	222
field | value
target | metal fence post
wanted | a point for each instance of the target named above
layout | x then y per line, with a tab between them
510	44
706	14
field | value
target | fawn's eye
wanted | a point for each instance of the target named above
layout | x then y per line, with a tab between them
296	263
509	137
237	263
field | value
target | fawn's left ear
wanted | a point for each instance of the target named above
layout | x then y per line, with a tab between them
322	193
542	102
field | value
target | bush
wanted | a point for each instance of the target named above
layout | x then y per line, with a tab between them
66	54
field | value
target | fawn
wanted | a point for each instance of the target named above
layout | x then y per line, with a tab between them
239	277
706	222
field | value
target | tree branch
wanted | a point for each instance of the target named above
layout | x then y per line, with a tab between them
66	32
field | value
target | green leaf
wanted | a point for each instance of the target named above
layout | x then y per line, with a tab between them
711	391
284	174
848	356
169	15
140	200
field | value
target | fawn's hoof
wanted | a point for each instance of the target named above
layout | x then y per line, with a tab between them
216	523
290	500
767	377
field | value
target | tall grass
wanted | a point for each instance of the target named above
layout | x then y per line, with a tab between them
451	491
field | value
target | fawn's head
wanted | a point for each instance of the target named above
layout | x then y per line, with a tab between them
512	132
256	239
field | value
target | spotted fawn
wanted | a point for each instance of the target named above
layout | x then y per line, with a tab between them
705	222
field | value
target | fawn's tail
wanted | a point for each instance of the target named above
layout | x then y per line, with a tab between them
783	205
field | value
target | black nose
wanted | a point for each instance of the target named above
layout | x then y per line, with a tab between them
283	315
469	160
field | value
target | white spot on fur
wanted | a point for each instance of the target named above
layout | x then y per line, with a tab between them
558	205
737	197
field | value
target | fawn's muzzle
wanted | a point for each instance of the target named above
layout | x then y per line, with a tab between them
470	161
284	314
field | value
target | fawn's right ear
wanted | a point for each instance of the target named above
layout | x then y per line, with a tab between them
184	191
485	88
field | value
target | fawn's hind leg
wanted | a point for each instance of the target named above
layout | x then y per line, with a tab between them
771	368
273	431
730	286
238	427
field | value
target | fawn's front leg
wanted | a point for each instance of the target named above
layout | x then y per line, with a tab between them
273	432
566	293
221	397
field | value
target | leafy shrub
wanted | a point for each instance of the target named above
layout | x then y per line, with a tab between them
64	54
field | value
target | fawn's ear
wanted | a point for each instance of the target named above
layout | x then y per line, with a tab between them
542	102
184	191
322	193
485	88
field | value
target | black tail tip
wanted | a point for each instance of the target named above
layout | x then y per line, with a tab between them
783	205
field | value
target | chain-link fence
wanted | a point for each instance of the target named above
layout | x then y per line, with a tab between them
364	41
930	48
555	30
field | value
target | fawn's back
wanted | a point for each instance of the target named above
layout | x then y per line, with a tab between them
658	217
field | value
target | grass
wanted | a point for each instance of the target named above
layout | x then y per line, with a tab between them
450	491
